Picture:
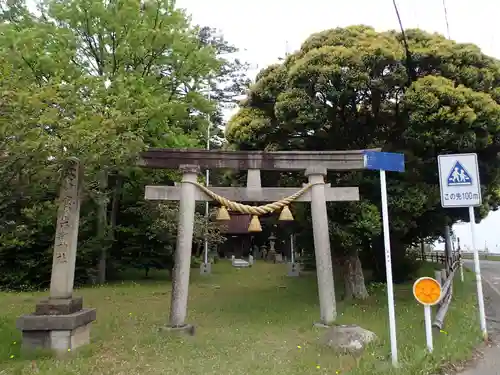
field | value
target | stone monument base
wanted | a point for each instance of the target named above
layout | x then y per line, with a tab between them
59	306
205	268
186	329
293	269
59	333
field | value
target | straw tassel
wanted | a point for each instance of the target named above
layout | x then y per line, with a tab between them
223	214
286	214
255	224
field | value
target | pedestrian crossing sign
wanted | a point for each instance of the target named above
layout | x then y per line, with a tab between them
459	176
459	180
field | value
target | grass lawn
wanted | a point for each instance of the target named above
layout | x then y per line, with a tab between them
249	321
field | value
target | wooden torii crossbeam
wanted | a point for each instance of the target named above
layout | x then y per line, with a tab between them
314	164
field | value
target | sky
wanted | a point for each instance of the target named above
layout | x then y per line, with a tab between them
265	30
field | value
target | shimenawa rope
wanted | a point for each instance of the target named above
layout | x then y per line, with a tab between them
254	210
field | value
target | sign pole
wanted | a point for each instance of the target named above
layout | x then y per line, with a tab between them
461	260
428	327
477	269
456	250
461	270
395	162
460	186
427	291
388	268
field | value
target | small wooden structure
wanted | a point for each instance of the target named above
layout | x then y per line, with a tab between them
238	238
239	241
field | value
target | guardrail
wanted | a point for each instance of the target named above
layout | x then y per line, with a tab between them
446	293
438	256
434	256
450	266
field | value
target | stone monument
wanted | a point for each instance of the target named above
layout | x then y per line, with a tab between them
60	323
206	268
271	255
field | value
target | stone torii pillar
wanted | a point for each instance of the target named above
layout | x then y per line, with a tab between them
188	193
182	267
323	255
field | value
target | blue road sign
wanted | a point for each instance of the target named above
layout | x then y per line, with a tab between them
385	161
458	176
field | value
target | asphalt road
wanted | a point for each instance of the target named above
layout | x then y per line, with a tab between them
490	363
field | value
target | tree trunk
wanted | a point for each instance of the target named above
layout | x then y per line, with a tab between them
115	205
354	279
101	226
113	216
197	249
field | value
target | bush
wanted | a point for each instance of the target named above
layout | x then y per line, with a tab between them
406	269
308	261
195	262
25	247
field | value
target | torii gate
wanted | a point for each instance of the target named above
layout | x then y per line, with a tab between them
315	164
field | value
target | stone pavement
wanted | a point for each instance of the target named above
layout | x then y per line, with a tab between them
489	364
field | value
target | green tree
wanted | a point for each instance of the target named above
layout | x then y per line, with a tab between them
149	245
102	81
353	88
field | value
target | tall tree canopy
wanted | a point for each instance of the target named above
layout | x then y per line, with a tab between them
356	88
99	80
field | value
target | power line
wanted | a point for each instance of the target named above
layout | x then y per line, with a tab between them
445	8
410	71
